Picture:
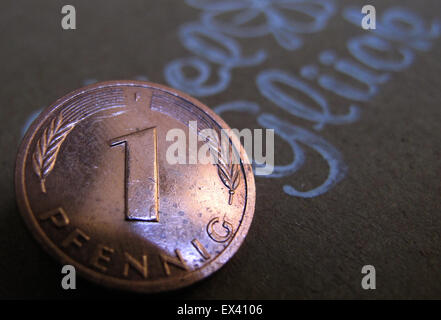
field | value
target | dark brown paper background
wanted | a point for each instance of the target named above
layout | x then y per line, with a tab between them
386	212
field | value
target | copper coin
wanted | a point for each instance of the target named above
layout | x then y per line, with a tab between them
95	186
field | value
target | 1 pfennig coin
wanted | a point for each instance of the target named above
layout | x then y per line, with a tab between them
95	186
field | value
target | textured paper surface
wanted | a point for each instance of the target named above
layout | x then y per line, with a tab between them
385	212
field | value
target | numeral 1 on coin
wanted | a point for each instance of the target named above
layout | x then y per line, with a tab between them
141	174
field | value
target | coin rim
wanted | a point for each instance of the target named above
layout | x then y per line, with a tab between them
146	286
